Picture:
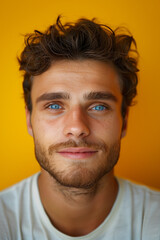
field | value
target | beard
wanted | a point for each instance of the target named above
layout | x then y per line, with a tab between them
78	174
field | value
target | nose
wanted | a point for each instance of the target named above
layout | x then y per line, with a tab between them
76	124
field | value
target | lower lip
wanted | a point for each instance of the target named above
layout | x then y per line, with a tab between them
77	155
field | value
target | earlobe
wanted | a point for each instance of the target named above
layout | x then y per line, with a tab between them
28	119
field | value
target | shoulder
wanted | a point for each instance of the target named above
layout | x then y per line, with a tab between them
14	201
138	190
14	192
145	204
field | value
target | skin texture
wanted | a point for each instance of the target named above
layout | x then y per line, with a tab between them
77	187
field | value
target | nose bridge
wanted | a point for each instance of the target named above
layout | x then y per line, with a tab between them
77	114
76	123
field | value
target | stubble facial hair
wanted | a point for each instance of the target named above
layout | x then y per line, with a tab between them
78	176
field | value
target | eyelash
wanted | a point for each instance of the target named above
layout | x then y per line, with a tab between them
55	105
100	106
105	107
48	106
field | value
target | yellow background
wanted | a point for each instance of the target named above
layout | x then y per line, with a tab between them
140	153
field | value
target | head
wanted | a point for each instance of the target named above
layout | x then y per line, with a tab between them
82	40
85	65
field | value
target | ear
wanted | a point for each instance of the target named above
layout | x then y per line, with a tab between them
125	124
28	119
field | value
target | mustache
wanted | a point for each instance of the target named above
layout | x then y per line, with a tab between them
99	145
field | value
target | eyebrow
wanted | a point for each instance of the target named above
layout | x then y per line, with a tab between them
53	96
101	95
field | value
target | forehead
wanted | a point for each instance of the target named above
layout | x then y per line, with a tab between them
77	77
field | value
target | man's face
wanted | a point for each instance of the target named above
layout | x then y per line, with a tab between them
76	121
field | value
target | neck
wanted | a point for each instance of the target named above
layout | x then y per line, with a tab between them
77	212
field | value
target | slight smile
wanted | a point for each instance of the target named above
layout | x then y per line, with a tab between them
77	153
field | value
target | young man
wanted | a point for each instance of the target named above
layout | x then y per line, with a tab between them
79	81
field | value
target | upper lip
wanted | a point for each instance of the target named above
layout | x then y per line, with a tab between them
76	149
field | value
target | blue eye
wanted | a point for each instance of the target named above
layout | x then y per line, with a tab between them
55	106
99	108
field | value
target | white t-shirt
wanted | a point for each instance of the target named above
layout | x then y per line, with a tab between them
135	215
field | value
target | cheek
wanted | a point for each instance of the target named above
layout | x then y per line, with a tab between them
109	128
46	131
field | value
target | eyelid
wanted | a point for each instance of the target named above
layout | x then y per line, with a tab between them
47	105
107	106
61	104
55	104
52	103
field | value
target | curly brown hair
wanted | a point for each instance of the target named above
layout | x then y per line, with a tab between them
85	39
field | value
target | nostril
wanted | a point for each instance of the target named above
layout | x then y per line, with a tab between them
76	131
76	123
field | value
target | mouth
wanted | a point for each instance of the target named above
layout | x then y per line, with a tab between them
77	153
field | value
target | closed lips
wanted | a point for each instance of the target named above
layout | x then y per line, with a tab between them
77	150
